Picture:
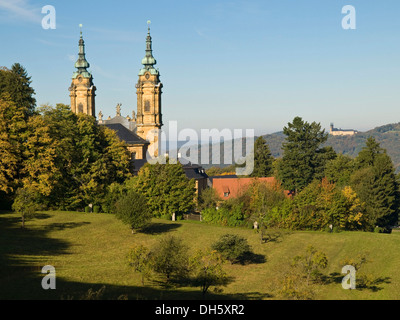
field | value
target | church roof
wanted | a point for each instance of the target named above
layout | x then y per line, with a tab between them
194	171
125	134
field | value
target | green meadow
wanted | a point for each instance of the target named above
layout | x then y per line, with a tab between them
89	251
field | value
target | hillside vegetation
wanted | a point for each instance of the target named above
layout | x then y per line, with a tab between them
388	136
89	252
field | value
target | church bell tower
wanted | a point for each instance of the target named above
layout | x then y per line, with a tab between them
82	90
148	90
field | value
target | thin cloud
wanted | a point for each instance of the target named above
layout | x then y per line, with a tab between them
72	57
20	10
201	33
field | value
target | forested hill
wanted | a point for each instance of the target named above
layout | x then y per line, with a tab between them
388	136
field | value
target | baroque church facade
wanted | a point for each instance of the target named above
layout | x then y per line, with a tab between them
141	131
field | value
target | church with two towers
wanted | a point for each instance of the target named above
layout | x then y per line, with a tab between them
141	132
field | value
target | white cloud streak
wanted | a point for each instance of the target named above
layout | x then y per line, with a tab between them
20	10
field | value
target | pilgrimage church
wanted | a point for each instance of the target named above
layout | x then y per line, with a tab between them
141	131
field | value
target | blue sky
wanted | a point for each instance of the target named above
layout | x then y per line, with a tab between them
224	64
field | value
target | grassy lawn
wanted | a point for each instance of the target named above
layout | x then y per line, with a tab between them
88	251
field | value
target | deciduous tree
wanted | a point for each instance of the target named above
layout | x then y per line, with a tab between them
166	188
170	258
132	210
207	270
25	204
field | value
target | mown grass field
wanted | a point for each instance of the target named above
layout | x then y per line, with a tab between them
89	250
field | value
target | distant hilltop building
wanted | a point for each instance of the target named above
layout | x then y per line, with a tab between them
340	132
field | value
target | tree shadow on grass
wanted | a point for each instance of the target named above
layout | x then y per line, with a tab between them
158	228
112	292
22	254
252	258
65	225
30	288
363	282
374	285
253	296
274	235
41	216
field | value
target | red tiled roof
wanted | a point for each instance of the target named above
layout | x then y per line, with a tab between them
231	187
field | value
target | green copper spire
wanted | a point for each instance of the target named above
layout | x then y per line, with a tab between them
148	61
81	64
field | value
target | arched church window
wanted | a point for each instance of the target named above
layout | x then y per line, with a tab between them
80	108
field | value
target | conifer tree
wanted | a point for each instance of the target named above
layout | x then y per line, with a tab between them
17	83
375	183
262	159
303	158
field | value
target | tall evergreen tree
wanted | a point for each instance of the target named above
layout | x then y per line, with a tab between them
17	83
376	184
262	159
367	156
303	157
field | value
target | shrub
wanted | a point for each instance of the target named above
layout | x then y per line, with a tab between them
87	209
170	258
206	267
25	203
132	210
378	229
114	192
336	230
139	259
208	199
227	215
96	209
310	264
232	247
